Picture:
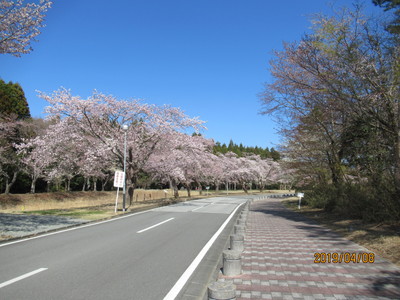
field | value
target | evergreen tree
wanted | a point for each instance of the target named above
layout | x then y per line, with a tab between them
242	150
13	101
275	154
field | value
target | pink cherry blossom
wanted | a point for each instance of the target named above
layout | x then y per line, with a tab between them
19	25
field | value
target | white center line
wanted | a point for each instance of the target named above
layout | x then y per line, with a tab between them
21	277
158	224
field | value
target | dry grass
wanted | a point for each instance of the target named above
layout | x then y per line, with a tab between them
17	203
382	238
63	200
84	205
104	201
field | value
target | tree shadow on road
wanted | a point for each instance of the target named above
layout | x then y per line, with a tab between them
21	225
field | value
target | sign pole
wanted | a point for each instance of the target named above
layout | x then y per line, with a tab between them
116	200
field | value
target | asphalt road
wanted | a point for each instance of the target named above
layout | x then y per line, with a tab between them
139	256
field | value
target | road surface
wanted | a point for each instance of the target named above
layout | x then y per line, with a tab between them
138	256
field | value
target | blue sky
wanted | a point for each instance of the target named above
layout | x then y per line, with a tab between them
208	57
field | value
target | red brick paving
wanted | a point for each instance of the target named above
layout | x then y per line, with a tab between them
278	261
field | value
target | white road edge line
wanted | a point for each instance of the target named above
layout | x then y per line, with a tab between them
189	271
74	228
21	277
158	224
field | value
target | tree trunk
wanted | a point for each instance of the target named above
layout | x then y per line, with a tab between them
88	183
245	189
175	190
33	185
104	182
84	184
397	165
131	191
188	189
10	184
94	184
68	187
200	188
174	187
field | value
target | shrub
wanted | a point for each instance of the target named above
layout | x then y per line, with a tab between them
361	201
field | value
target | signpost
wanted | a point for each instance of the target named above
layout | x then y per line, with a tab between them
207	188
300	195
119	178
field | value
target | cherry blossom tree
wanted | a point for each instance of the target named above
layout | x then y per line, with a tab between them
96	166
220	168
11	130
264	170
196	162
34	161
216	170
61	153
181	159
19	25
245	171
52	155
98	120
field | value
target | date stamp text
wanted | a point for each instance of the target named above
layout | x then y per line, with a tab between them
344	257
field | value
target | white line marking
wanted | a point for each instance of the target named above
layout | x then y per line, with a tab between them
202	206
189	271
21	277
198	208
158	224
80	227
74	228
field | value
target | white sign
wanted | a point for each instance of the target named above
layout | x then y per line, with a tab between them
119	178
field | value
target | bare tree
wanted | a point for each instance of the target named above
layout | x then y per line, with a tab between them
337	91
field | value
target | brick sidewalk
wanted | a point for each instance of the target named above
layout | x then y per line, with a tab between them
278	261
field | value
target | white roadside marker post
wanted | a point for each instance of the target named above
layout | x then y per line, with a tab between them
300	195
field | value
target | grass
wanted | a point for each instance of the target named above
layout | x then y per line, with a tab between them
381	238
92	205
82	205
22	203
